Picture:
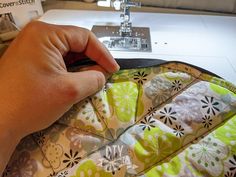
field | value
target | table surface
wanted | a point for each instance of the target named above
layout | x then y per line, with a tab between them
202	40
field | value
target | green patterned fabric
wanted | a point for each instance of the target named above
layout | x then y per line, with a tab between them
167	120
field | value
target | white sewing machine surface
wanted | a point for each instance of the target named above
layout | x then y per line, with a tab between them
202	40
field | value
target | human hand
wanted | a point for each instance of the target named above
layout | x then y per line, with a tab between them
36	88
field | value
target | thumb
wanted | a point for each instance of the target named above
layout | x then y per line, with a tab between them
85	83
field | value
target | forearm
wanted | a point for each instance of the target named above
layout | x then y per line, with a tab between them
10	134
8	141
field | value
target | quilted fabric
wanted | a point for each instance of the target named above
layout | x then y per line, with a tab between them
166	120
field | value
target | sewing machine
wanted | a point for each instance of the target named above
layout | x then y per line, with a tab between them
207	41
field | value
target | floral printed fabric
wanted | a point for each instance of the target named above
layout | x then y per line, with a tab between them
168	120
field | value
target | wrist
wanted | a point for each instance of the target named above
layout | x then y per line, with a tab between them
10	109
9	140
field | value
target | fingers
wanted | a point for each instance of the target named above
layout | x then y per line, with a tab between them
98	52
82	40
71	39
85	83
96	68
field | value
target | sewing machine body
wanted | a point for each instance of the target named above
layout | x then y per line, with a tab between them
203	40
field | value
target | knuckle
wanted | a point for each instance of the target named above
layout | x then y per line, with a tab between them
66	90
86	33
33	26
70	91
84	30
32	29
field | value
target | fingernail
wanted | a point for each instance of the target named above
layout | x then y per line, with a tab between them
84	69
115	67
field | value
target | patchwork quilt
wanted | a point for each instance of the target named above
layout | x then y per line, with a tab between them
169	119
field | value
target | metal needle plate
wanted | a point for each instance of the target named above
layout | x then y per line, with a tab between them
140	41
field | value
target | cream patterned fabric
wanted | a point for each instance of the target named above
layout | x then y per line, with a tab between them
170	120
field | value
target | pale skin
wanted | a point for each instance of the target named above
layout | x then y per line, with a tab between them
36	88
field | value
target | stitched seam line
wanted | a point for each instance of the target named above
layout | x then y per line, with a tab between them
101	118
186	144
161	104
